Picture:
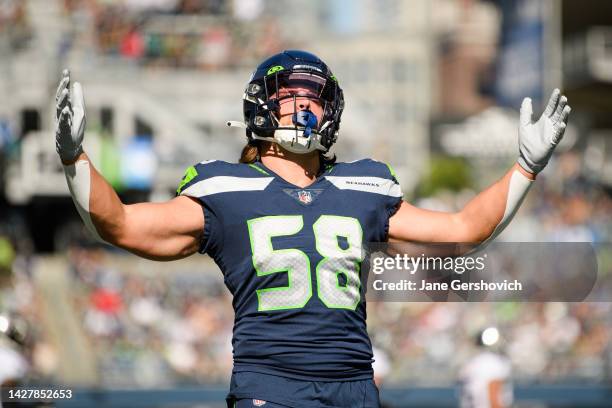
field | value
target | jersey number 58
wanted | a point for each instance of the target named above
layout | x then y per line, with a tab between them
296	264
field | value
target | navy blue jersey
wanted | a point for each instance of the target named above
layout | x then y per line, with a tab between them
291	257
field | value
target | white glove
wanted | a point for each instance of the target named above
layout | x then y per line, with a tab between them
69	119
537	140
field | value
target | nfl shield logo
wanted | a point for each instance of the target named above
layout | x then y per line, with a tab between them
258	403
305	196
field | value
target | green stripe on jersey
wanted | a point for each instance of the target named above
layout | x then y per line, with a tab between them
190	174
391	170
259	169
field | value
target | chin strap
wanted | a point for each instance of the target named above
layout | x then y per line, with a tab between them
303	133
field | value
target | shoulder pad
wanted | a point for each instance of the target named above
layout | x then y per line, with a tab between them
365	167
367	175
216	176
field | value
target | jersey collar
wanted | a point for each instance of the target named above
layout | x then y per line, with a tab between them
323	171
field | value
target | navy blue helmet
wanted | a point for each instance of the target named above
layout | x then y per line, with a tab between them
293	68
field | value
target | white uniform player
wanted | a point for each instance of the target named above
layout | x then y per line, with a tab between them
486	381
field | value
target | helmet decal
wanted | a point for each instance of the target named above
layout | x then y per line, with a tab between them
274	69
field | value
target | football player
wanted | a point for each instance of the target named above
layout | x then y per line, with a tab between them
486	378
286	225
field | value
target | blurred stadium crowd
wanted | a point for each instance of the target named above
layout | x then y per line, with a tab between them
176	328
213	34
146	327
14	23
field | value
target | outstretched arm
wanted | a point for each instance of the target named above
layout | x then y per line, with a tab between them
487	214
160	231
474	223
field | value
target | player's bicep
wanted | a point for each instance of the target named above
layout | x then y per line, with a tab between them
415	224
163	231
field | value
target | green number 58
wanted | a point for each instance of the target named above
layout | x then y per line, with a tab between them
336	261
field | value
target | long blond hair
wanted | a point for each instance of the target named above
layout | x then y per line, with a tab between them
250	153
